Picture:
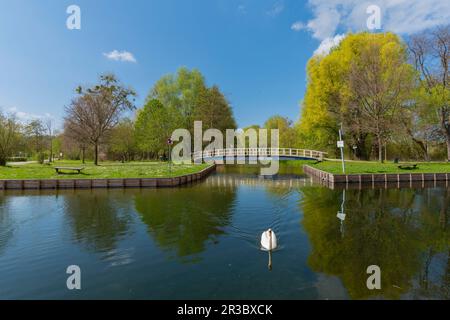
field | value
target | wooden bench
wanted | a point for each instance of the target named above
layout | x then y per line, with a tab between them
59	169
410	167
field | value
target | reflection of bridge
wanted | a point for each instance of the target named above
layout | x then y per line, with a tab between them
230	180
259	153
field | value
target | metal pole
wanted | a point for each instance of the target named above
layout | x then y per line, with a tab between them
342	150
170	160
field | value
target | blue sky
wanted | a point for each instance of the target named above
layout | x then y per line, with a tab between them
255	50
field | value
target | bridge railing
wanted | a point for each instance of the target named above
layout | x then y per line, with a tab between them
259	152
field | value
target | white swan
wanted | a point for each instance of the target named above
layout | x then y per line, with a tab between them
269	240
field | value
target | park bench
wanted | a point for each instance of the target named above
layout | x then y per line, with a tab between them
59	169
408	167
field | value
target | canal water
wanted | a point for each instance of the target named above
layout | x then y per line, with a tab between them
202	241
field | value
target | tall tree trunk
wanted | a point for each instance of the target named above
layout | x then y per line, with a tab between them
50	157
361	150
96	153
447	136
83	152
380	149
380	143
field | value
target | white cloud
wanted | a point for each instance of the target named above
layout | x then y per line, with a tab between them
26	117
297	26
400	16
406	17
276	9
327	44
120	56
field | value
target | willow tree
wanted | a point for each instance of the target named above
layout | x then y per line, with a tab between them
287	134
381	82
359	84
179	92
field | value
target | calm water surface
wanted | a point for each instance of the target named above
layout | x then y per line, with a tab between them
202	241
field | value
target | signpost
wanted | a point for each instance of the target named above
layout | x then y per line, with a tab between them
170	143
340	145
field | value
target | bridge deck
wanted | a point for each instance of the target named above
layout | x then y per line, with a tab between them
281	153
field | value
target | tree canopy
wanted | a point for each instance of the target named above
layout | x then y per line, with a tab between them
363	84
176	101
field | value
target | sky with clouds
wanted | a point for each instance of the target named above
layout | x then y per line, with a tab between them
255	50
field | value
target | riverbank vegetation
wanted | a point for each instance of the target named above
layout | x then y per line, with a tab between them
392	98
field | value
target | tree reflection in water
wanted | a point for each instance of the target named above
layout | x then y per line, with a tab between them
183	220
99	218
405	232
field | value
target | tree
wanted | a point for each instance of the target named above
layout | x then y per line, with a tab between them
9	135
176	101
380	81
180	92
287	133
122	140
366	77
98	109
74	134
213	109
430	52
35	132
50	132
154	124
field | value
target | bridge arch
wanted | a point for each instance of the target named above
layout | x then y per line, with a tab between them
280	153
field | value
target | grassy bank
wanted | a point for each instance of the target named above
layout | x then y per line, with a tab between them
104	170
360	167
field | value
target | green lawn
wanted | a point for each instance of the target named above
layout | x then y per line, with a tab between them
104	170
353	167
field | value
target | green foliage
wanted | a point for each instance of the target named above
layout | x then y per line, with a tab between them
213	109
9	137
362	84
36	133
287	135
179	93
176	101
122	140
154	124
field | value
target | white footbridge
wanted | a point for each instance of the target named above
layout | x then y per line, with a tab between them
259	153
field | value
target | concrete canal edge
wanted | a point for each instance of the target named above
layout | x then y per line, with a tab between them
332	179
36	184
